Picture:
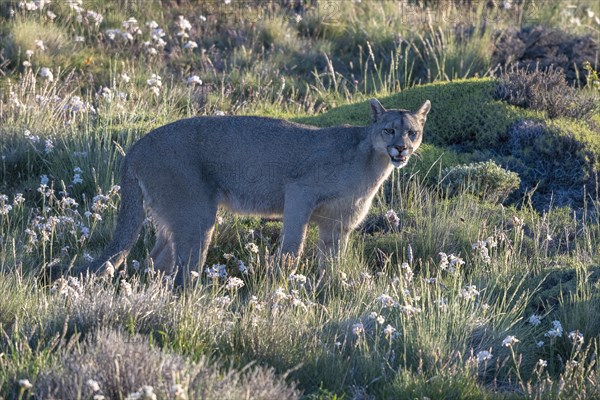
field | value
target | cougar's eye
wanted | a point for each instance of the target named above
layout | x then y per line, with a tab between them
389	131
412	134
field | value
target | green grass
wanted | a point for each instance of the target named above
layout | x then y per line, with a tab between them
390	319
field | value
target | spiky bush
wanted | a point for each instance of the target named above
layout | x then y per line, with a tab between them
547	91
543	47
486	180
115	365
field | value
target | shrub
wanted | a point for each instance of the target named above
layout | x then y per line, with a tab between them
542	47
545	90
114	365
556	159
485	179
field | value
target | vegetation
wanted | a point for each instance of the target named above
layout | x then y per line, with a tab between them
475	274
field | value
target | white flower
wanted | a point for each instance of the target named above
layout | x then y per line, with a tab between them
392	217
183	23
535	320
178	391
409	310
518	222
241	267
223	302
155	80
296	302
48	146
509	341
18	199
469	292
75	105
484	356
386	301
112	34
25	384
157	33
5	209
298	279
77	179
217	271
194	80
556	331
358	329
542	363
450	262
32	138
79	39
126	288
47	74
39	44
93	385
455	261
408	274
234	283
125	78
29	5
94	16
191	45
576	337
252	247
389	331
131	25
279	295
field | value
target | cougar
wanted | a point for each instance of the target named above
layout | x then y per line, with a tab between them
182	172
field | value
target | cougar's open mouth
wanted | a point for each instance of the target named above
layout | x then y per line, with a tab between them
398	158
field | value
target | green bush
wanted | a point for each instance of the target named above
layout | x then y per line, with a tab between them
485	179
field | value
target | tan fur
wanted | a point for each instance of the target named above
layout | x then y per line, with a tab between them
182	172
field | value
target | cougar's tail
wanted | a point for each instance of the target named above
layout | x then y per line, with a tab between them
129	224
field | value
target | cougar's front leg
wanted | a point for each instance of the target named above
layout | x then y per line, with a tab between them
333	239
296	213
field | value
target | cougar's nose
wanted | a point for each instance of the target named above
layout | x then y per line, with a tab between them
395	150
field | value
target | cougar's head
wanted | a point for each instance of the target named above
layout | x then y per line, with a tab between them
397	133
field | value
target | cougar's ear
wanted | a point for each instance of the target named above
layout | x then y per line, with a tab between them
423	111
377	110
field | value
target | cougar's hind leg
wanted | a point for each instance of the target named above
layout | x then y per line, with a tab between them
191	223
163	253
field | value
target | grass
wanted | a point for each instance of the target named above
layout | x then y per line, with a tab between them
394	317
